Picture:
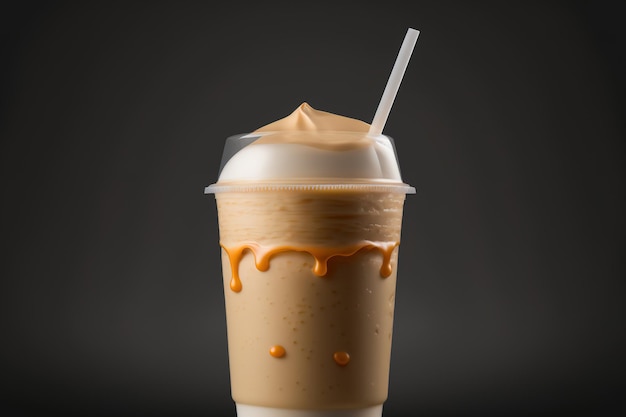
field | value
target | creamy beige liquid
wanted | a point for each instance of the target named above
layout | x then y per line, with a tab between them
309	279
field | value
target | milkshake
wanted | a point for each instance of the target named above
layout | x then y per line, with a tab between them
310	211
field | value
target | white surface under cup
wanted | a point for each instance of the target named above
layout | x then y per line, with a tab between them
244	410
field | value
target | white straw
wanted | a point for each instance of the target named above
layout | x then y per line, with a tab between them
393	84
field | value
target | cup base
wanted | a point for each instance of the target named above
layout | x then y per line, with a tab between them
245	410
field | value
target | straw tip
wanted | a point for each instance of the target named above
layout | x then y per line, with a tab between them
413	32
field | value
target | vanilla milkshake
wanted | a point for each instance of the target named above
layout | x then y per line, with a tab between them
310	211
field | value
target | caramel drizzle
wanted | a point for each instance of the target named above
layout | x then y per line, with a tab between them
263	254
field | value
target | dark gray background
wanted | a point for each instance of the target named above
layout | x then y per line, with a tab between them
510	123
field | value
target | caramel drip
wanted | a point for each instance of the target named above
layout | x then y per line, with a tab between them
263	254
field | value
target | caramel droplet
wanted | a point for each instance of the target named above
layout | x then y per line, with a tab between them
342	358
235	283
386	249
277	351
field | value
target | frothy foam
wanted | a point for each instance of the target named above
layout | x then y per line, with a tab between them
306	118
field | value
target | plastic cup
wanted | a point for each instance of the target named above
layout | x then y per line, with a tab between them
309	267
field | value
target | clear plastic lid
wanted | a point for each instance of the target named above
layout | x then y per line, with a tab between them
305	160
